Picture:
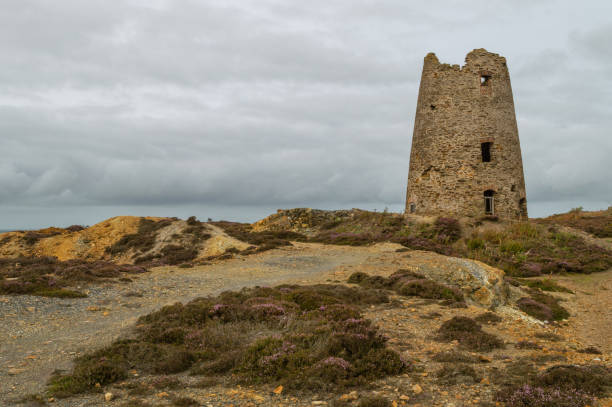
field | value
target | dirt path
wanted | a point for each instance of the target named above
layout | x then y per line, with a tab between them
591	308
40	335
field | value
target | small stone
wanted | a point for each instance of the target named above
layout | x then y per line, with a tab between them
15	371
394	403
417	389
349	396
50	399
404	397
319	403
162	395
109	396
278	390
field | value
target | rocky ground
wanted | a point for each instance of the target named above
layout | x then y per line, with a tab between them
40	335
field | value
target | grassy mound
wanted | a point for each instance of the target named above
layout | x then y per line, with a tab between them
521	249
303	337
47	276
183	249
408	283
597	223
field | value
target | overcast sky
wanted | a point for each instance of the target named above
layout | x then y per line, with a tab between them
233	108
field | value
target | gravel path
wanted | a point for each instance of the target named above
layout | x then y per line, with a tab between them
40	334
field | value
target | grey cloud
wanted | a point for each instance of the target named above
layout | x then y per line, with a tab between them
175	106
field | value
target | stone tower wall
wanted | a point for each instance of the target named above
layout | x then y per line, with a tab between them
456	112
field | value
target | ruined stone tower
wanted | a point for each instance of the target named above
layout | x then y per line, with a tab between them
466	157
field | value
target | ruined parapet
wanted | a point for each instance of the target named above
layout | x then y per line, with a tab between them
466	157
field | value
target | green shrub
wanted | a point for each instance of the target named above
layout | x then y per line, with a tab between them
511	247
475	244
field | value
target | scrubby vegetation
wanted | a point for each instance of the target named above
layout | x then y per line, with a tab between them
523	249
141	241
527	249
488	318
30	238
303	337
47	276
561	385
597	223
469	333
183	249
544	285
265	240
409	283
543	307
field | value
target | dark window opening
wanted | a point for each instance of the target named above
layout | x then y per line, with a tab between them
485	80
433	107
488	201
412	207
513	188
486	151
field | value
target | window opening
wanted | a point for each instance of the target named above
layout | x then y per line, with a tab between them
412	207
488	201
486	151
485	80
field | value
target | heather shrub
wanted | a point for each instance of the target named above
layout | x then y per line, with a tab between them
533	396
457	373
374	401
75	228
447	230
303	337
47	276
141	241
457	357
409	283
469	334
263	241
561	385
535	309
488	318
544	285
543	307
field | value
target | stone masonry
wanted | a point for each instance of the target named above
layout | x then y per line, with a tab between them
466	157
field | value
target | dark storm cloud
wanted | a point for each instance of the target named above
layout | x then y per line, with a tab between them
213	104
